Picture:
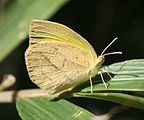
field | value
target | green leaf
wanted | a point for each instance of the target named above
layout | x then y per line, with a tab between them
126	76
125	87
133	67
130	100
42	108
17	17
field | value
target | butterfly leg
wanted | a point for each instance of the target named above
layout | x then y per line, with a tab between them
109	74
107	68
103	81
91	84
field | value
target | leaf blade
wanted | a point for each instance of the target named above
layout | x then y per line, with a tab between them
127	78
14	27
42	108
125	99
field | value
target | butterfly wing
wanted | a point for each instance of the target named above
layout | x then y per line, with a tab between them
44	31
57	57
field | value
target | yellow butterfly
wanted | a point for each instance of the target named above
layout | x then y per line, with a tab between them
58	58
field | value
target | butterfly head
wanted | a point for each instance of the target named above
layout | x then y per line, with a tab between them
98	63
100	60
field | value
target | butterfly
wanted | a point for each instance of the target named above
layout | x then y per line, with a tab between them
59	59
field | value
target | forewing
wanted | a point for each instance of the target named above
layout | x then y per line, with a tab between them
44	31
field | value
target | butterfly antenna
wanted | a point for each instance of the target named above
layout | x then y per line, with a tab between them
112	53
108	47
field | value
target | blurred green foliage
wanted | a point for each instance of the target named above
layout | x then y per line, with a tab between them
16	17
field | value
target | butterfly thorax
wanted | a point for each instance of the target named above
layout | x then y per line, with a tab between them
98	63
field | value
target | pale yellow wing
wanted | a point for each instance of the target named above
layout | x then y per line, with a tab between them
44	31
54	66
57	57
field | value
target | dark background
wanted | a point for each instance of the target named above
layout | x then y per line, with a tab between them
98	21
